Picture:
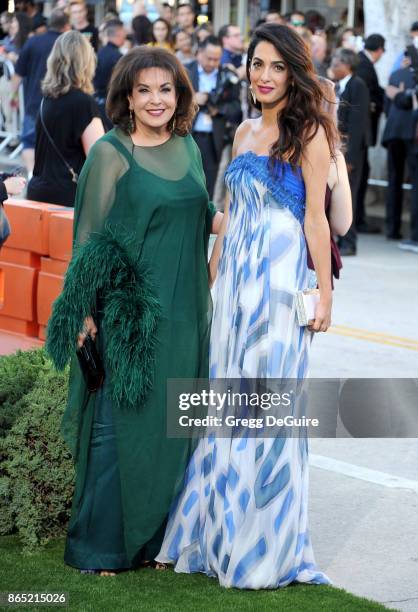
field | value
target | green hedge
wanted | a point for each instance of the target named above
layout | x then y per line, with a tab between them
36	474
18	374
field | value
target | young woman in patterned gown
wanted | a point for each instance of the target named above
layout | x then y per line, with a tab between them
242	515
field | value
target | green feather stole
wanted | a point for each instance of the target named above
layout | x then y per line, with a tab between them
130	317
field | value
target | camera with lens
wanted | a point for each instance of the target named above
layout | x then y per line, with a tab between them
228	81
226	99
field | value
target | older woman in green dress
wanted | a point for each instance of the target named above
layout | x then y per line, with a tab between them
138	281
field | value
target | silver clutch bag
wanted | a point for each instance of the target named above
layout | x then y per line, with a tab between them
306	302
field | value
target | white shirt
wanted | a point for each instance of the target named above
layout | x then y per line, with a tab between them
343	84
207	83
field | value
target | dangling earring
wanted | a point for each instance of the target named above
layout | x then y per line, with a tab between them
254	97
131	125
173	125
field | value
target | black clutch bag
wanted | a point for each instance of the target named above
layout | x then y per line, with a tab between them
91	365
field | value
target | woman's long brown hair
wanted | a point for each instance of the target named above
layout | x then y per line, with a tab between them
304	112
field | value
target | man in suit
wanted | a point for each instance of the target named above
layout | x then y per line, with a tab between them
407	99
354	124
218	96
107	58
374	48
398	138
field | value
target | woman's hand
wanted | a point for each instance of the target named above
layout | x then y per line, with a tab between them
201	98
12	56
89	329
15	184
322	315
392	90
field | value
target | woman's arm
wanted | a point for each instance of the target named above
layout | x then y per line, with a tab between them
217	222
94	199
315	169
217	247
341	211
93	132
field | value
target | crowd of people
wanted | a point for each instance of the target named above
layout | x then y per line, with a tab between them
216	64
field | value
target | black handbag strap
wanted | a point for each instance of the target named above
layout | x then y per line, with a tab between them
74	175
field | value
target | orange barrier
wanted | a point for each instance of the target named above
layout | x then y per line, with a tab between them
1	288
30	225
20	258
18	313
61	235
18	271
33	264
50	283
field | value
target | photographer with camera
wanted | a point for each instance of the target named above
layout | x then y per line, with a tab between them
401	139
218	96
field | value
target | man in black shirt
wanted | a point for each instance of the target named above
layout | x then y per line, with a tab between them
31	67
108	56
79	21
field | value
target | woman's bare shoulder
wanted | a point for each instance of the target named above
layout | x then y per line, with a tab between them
243	132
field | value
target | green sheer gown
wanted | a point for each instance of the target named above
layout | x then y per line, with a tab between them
128	471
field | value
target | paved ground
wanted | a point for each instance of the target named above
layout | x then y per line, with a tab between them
365	525
374	316
10	343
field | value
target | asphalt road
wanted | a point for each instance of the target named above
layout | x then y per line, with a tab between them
364	492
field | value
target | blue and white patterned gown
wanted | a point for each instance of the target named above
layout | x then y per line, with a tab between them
242	514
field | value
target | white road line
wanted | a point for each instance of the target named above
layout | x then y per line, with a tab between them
362	473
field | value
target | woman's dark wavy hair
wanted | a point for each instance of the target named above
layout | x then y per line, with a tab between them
123	80
25	27
305	110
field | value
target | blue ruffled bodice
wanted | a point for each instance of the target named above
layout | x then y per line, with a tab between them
285	184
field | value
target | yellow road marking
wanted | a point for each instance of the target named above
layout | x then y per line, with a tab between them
378	338
379	334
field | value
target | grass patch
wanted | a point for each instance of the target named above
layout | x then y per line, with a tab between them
159	591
